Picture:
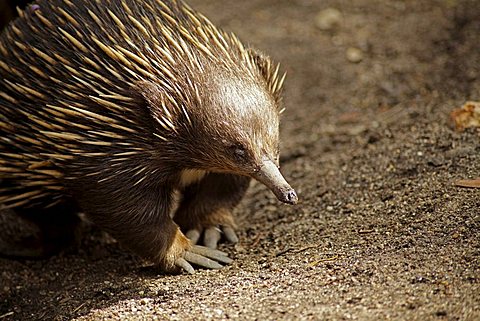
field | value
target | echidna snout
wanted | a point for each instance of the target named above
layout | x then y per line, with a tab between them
269	175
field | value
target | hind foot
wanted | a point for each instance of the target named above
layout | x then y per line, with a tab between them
210	229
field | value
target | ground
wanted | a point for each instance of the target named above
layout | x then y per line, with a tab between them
381	231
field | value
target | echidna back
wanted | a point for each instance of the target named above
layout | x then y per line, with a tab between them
68	73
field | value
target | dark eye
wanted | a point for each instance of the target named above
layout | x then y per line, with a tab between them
239	151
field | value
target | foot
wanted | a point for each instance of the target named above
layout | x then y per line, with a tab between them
212	235
210	229
203	257
182	254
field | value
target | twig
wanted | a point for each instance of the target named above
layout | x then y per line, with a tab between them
306	248
365	231
257	240
6	314
333	258
290	249
79	307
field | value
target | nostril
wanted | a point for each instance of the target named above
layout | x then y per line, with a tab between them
292	197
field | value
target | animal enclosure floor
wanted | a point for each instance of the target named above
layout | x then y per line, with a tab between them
381	232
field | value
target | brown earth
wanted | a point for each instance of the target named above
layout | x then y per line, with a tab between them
381	231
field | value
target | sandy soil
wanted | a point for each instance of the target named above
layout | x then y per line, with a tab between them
381	231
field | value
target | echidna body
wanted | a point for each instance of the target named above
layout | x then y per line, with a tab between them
113	106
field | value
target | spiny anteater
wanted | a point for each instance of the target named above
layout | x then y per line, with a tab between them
110	107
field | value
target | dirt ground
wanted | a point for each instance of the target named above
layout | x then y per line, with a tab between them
380	233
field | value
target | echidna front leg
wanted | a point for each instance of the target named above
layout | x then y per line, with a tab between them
138	217
206	208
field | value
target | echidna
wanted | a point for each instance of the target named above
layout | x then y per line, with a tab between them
112	107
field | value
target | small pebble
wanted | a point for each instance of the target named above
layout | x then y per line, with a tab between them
354	55
328	19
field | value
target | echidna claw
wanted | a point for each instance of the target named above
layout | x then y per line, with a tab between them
204	257
193	235
212	235
182	263
230	234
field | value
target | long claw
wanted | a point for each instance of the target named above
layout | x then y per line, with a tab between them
211	253
181	262
212	237
194	235
202	261
204	257
230	234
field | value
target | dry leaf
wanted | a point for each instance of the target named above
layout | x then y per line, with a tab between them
467	116
470	183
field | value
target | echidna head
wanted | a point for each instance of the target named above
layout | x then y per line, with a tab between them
223	121
235	129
